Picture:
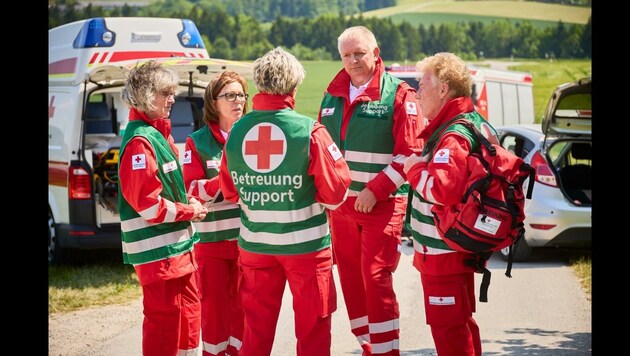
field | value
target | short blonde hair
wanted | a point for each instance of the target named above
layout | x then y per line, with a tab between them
210	112
357	32
448	68
143	82
278	72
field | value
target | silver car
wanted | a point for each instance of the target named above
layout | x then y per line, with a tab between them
559	149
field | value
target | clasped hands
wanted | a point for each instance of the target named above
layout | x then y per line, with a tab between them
200	210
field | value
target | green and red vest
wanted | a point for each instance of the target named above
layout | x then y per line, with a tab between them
368	146
268	157
223	219
144	242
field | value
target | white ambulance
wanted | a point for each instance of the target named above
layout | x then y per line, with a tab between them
503	97
87	61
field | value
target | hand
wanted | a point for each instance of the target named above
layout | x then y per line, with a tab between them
200	210
412	160
365	201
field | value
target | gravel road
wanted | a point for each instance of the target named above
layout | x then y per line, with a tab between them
79	332
541	310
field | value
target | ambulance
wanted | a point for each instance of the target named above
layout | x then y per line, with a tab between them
87	61
503	97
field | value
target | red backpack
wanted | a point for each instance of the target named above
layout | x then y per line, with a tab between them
490	215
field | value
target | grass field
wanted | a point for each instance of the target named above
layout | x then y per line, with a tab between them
98	278
547	75
415	11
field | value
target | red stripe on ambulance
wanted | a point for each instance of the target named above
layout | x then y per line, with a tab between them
64	66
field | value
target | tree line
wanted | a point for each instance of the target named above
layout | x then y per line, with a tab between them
244	37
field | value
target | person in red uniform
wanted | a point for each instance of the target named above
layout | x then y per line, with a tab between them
447	278
285	171
225	101
374	119
157	235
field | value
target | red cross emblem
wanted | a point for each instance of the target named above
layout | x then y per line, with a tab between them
264	147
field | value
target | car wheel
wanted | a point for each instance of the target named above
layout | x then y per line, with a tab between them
54	250
520	251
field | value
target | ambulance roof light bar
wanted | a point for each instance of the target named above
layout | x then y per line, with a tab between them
94	33
190	36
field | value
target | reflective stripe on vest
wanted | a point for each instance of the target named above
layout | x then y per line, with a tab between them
142	241
268	157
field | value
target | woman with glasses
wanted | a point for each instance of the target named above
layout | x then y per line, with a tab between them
225	101
156	214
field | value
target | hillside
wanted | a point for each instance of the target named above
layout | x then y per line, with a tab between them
437	11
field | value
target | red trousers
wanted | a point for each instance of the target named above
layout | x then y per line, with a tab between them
366	249
171	317
449	301
221	313
312	285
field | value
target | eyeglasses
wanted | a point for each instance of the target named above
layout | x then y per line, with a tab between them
166	93
232	96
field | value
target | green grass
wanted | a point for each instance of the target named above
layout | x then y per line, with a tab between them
88	285
547	75
311	91
515	9
582	269
436	19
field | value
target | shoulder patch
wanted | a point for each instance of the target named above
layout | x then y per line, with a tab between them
138	161
410	108
187	157
441	156
334	151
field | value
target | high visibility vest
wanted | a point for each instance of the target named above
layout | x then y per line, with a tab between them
368	146
144	242
267	154
223	219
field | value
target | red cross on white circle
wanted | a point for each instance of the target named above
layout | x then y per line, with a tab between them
264	147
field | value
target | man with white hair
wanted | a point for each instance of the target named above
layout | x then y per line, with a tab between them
374	119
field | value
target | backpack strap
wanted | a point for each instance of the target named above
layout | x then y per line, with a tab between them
479	261
432	141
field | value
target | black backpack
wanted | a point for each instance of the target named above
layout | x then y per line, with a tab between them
490	215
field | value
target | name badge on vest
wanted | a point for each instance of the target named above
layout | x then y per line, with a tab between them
169	166
328	111
210	164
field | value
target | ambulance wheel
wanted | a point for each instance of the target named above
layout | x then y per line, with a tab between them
520	251
55	251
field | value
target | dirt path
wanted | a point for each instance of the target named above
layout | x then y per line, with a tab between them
79	332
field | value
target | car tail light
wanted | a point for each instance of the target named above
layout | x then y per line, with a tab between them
544	174
79	184
542	226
